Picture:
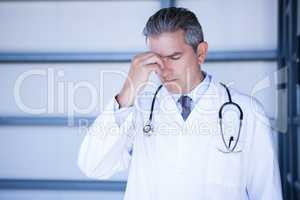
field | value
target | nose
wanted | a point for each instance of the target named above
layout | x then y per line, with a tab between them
166	70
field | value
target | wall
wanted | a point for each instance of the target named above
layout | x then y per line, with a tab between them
67	89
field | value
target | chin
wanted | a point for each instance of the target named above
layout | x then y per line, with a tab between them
173	87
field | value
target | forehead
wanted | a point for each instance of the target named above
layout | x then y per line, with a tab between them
168	43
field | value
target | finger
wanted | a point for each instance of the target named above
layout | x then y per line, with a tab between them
160	62
145	55
153	60
153	67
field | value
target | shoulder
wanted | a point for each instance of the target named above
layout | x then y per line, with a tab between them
252	108
247	101
249	104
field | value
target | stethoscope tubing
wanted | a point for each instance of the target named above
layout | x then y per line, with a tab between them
147	129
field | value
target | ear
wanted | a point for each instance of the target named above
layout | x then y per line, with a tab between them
202	52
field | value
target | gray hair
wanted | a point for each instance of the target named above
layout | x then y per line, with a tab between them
172	19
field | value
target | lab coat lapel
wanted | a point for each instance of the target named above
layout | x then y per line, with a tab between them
208	105
168	124
207	108
198	131
168	110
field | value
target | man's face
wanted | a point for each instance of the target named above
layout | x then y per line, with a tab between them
181	66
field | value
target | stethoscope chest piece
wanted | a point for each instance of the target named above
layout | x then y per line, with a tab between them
148	129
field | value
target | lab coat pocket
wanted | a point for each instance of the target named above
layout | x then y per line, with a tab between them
226	167
229	145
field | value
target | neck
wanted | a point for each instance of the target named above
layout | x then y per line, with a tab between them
192	84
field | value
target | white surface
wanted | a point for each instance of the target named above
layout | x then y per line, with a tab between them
236	24
37	89
106	80
42	153
55	26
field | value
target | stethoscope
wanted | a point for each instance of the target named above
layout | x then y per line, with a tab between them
229	147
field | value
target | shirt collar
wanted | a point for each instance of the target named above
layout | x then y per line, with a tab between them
198	90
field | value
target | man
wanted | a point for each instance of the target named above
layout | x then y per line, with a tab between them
179	150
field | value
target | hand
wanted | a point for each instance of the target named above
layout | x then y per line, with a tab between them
141	67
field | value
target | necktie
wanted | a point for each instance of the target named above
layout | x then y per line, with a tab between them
186	103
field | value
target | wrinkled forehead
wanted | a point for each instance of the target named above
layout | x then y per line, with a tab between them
167	43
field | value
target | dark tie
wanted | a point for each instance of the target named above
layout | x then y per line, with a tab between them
186	103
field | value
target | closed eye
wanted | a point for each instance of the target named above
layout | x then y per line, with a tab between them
175	57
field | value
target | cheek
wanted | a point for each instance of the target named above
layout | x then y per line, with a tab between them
182	67
179	66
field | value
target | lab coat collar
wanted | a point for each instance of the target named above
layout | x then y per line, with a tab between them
198	91
209	103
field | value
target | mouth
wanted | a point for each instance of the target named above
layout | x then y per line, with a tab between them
170	80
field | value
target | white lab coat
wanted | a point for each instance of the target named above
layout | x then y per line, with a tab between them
181	159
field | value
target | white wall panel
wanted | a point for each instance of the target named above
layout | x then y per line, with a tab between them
235	24
86	26
42	153
75	26
107	80
59	89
